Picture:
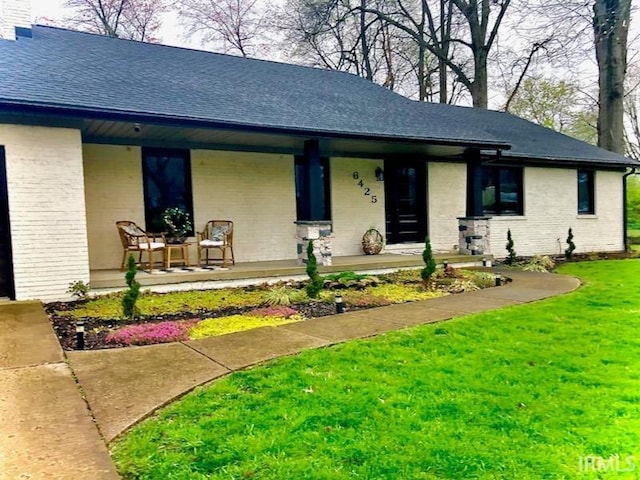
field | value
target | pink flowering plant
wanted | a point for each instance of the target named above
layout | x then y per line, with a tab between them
150	333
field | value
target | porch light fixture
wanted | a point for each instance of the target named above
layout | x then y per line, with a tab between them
379	174
339	304
80	335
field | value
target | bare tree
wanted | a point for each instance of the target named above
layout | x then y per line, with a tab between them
132	19
611	28
478	35
237	24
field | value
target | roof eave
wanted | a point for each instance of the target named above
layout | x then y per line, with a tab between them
84	112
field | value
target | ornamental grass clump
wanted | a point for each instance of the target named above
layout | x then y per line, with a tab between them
152	333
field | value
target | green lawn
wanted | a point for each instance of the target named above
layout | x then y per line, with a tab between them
527	392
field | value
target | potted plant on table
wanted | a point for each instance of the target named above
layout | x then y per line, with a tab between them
177	223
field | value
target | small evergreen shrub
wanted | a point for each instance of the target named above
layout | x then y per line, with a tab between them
429	261
511	257
79	289
568	253
131	295
316	282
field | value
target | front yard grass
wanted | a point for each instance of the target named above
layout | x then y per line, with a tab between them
527	392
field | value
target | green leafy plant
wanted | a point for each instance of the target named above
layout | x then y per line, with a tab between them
539	264
429	261
511	258
177	221
79	289
568	253
316	282
283	296
131	295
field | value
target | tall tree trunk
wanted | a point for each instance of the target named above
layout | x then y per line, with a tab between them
363	41
480	85
611	28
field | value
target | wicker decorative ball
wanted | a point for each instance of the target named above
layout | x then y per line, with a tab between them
372	242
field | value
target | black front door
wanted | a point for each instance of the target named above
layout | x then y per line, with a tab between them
6	263
405	190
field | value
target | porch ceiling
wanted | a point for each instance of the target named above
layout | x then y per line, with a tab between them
171	135
148	134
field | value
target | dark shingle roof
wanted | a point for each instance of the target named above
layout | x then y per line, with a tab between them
73	70
528	140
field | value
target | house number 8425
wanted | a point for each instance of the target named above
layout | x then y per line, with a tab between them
366	191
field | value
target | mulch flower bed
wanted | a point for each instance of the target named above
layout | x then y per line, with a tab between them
97	329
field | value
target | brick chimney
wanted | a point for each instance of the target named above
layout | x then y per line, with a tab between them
14	13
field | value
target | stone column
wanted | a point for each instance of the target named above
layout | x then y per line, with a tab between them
320	232
474	236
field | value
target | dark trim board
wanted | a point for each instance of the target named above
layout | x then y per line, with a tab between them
7	284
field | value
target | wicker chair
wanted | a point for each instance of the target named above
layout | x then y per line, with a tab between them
217	235
134	239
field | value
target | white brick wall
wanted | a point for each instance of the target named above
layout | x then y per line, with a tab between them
551	206
447	200
47	209
352	211
256	191
114	191
14	13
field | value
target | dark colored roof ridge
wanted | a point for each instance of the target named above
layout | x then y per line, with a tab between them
192	49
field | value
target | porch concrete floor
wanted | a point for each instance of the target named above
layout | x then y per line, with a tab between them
104	279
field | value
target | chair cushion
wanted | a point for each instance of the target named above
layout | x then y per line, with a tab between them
217	234
151	246
211	243
132	230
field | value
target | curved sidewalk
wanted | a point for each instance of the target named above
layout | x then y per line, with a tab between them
47	431
123	386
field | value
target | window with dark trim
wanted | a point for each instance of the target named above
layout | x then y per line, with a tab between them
586	192
166	175
501	189
303	195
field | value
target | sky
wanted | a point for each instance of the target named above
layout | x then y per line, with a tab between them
171	32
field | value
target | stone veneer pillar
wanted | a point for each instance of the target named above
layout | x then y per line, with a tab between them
474	236
320	232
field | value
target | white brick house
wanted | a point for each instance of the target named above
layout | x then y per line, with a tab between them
265	145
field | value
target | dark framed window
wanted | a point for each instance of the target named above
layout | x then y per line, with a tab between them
501	189
166	175
303	195
586	192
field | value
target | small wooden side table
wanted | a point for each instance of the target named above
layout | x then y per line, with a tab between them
183	248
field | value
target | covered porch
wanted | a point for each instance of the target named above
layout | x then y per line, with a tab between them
261	271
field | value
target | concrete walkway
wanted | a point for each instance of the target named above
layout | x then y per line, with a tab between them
50	433
46	429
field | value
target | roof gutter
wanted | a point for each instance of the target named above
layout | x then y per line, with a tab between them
625	236
195	122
